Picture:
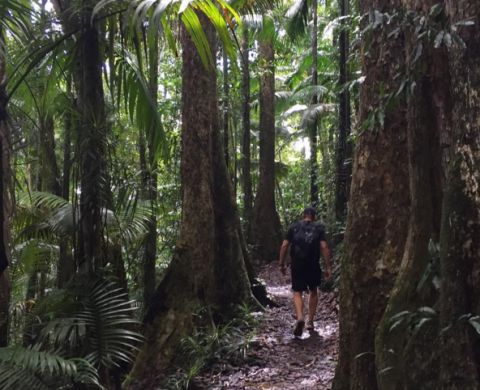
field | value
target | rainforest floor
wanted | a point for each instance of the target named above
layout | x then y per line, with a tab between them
276	360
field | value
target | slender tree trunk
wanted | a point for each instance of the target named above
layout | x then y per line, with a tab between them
265	229
378	216
459	241
92	140
5	203
225	108
313	128
66	266
344	148
208	268
246	158
150	183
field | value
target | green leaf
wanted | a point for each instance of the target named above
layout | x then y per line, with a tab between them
199	39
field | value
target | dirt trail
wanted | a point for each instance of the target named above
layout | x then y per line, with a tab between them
280	361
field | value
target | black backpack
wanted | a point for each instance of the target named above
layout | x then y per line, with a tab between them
304	239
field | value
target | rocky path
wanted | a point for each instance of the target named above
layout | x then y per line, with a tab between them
277	360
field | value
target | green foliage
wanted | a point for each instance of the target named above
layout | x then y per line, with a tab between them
32	368
158	12
92	319
107	317
228	342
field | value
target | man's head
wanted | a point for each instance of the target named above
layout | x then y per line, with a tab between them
309	213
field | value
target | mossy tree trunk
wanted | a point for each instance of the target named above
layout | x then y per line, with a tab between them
405	359
246	139
265	229
207	270
459	241
379	206
5	203
344	147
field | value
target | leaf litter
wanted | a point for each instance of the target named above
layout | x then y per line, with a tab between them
276	360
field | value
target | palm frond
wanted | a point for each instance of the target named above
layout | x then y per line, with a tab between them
132	222
32	368
15	17
297	15
108	319
253	21
35	255
316	111
306	93
138	101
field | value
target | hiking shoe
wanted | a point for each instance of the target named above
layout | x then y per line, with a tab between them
310	325
298	330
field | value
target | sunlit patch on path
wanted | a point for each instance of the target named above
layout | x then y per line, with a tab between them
278	360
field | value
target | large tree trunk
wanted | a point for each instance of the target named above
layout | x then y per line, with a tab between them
265	229
207	269
429	120
459	242
313	128
344	148
378	212
5	204
246	158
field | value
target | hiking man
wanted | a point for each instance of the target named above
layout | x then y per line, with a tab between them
307	240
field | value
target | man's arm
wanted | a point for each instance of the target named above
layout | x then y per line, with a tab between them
283	253
326	257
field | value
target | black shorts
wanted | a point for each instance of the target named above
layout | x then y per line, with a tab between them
305	276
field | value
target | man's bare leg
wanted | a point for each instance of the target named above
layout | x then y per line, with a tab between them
298	302
312	307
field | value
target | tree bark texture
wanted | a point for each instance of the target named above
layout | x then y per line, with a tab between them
429	120
226	108
207	270
459	241
344	146
49	173
92	139
246	157
5	204
150	180
66	266
378	215
265	229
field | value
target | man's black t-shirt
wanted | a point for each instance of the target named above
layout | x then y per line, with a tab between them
318	235
306	273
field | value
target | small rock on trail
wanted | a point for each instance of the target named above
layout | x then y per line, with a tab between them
277	360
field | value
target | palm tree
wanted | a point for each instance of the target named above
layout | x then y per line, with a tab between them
298	15
265	229
87	77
